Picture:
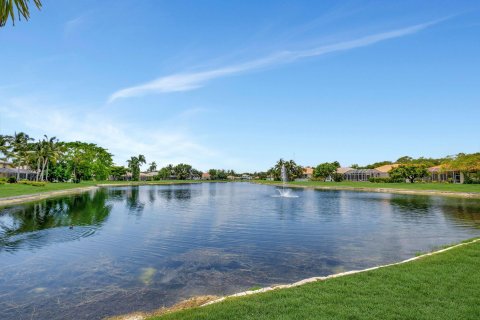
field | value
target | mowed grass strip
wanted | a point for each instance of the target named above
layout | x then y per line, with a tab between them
450	187
17	189
441	286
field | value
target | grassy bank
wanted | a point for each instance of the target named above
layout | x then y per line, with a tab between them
443	187
441	286
16	189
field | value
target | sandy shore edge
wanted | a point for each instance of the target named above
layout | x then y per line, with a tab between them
208	300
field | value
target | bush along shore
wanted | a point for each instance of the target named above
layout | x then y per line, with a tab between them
439	285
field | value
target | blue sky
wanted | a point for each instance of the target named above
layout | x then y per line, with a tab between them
239	84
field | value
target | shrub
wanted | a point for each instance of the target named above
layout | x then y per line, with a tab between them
36	183
2	182
385	180
12	180
337	177
32	183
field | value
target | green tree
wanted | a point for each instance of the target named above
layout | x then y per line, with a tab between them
9	7
325	170
374	165
118	172
468	164
293	170
409	172
165	173
218	174
404	159
152	166
134	165
19	150
87	161
183	171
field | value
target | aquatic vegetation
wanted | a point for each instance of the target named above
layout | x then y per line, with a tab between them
146	277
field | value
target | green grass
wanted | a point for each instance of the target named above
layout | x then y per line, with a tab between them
443	286
17	189
407	186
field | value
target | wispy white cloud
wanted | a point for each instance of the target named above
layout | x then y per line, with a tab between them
73	24
164	144
194	80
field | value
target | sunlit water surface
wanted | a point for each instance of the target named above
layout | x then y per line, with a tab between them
140	248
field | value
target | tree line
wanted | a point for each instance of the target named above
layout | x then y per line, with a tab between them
54	160
407	169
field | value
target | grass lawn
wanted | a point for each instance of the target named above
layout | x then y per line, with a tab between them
443	286
17	189
408	186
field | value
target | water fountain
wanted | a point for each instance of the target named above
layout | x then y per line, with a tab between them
285	193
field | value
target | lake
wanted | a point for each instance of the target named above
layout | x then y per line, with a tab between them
140	248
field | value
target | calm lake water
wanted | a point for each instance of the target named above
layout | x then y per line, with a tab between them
140	248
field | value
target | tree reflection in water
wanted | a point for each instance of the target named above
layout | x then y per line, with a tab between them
23	223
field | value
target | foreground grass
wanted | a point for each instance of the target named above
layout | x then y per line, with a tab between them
407	186
18	189
443	286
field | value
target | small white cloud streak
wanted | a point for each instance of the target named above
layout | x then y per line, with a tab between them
191	81
164	144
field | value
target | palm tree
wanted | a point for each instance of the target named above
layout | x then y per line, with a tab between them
4	146
20	150
134	164
8	8
152	166
54	152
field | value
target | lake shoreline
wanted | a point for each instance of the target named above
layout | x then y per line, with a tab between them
203	301
459	194
51	194
6	201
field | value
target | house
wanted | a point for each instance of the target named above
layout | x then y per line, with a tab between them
206	176
443	174
386	168
5	165
148	176
343	170
362	174
307	174
8	170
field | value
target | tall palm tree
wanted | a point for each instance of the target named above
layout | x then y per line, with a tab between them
54	151
152	166
134	164
20	147
4	147
9	7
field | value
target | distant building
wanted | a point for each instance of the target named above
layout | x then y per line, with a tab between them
343	170
362	174
5	165
386	168
7	170
146	176
307	173
206	176
443	174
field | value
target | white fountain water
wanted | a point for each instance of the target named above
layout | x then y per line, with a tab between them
285	193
